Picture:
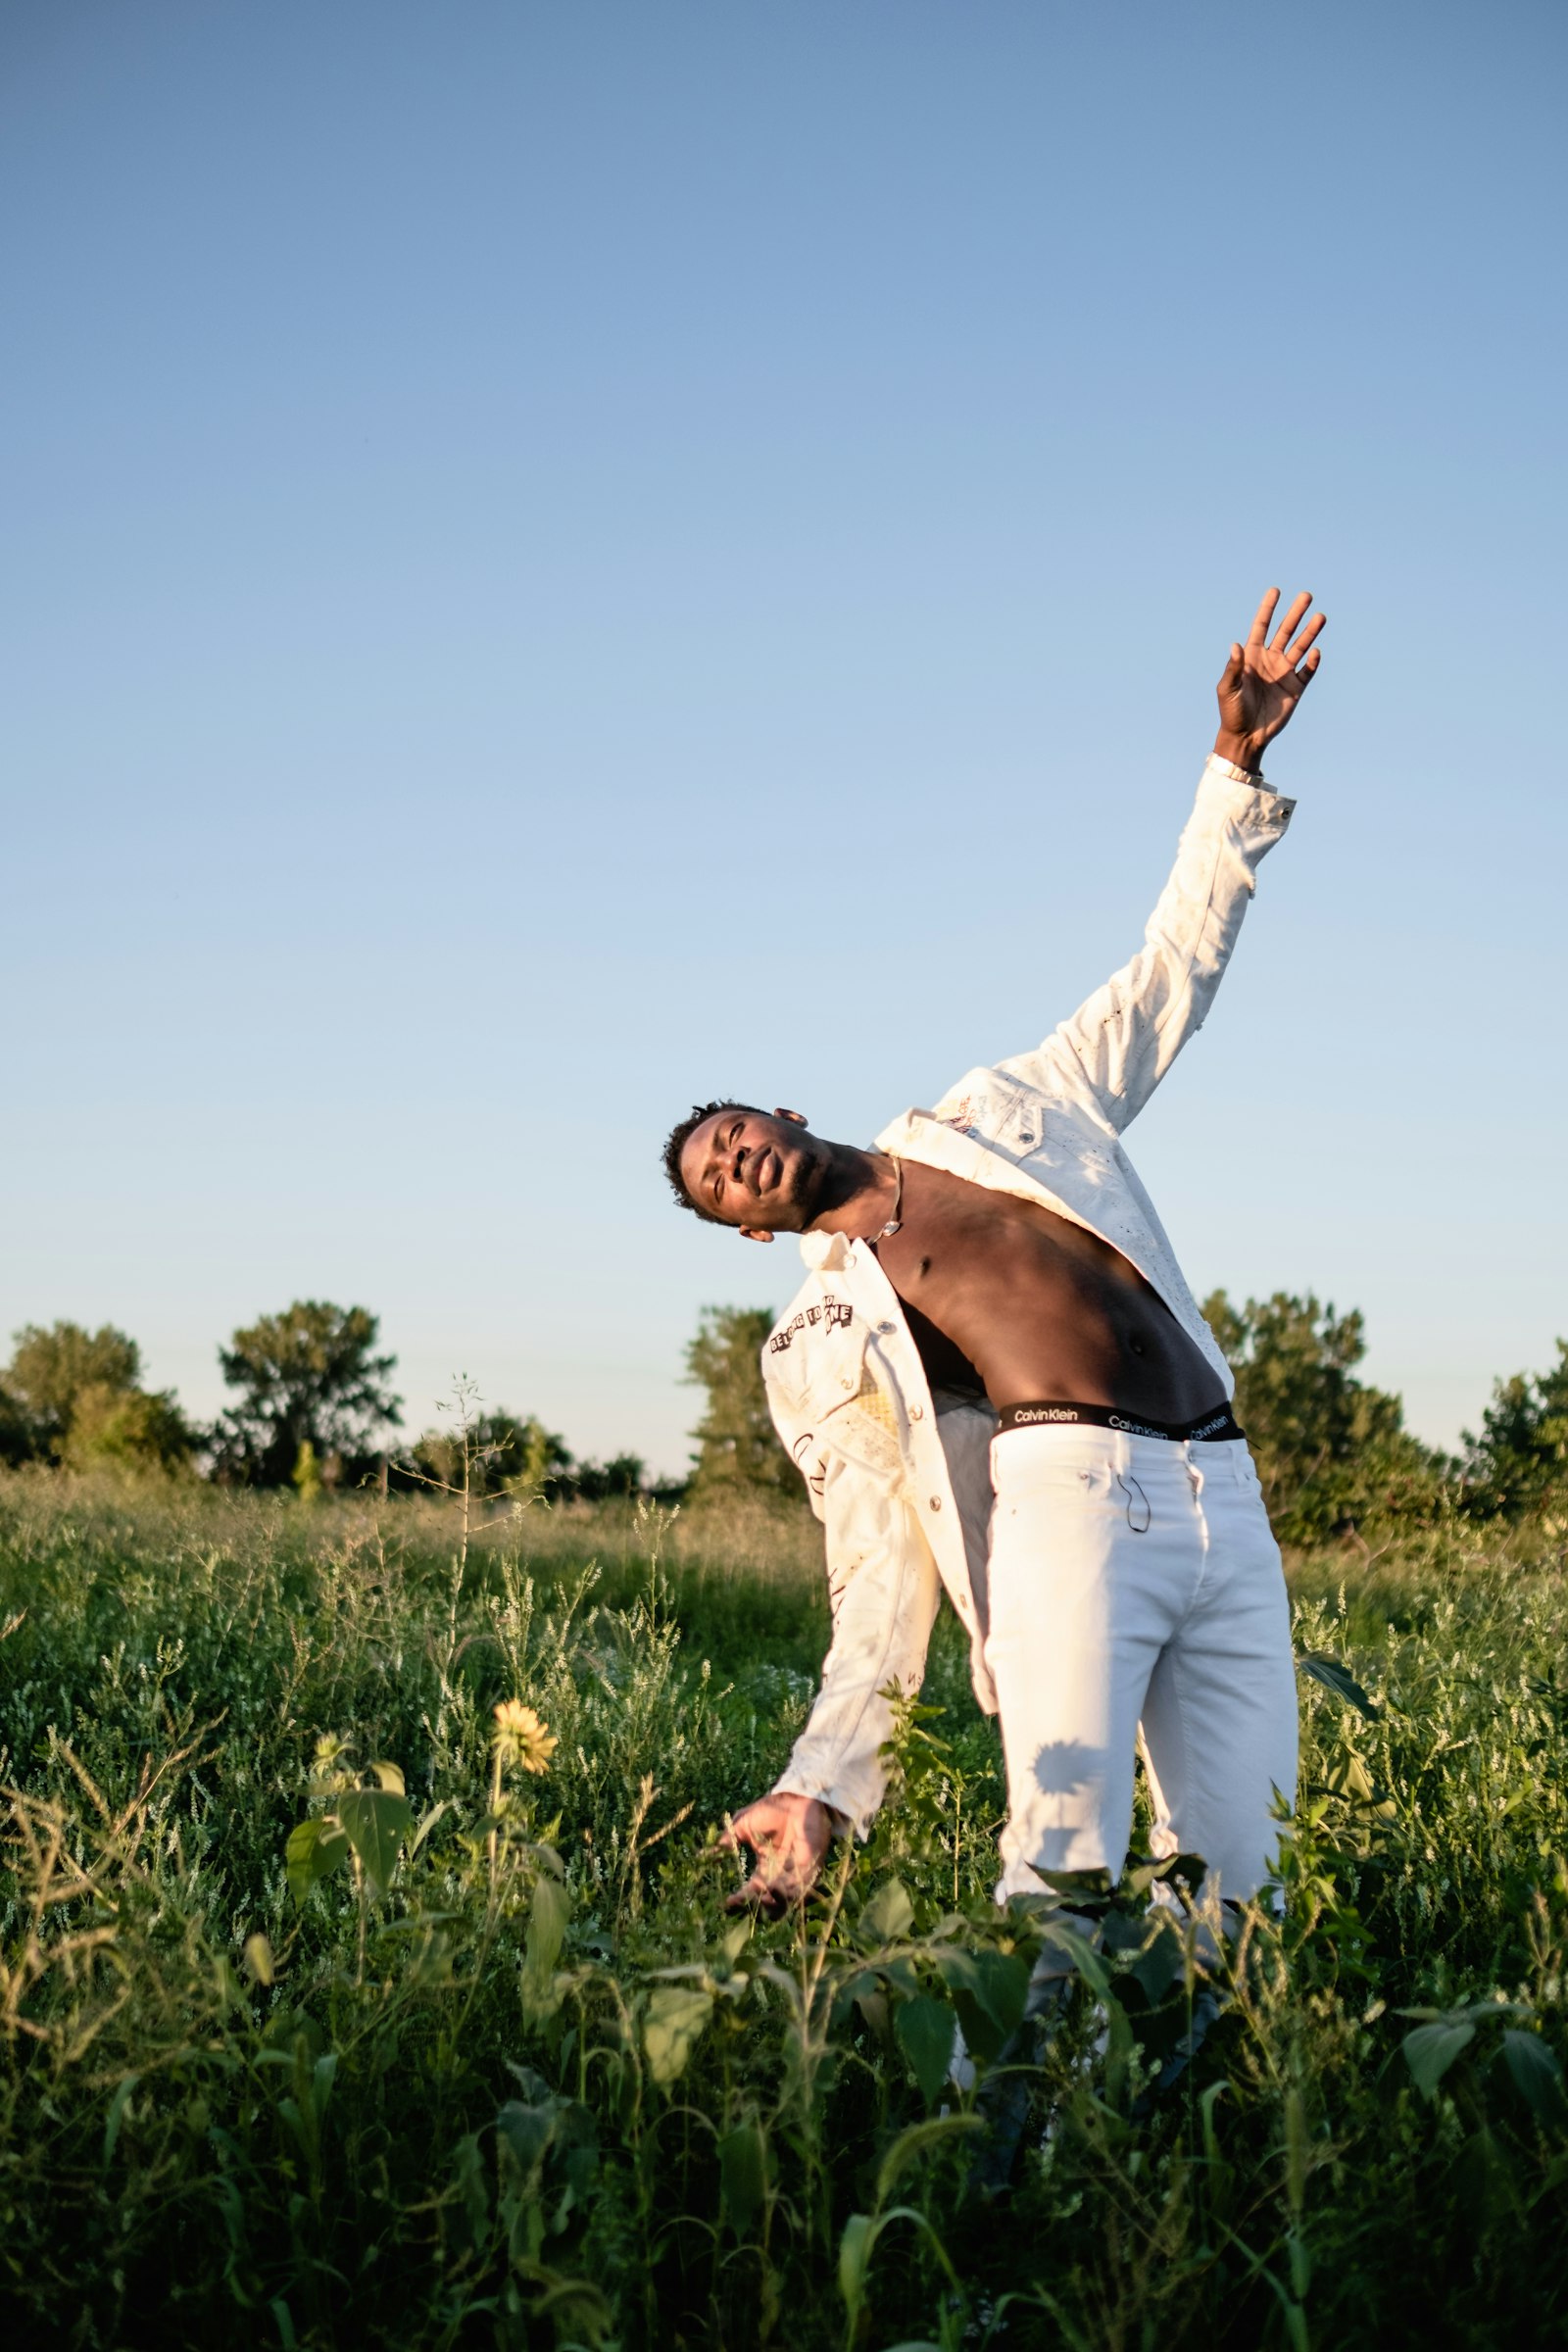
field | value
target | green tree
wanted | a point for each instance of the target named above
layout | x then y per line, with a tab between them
505	1455
737	1445
1519	1462
1330	1450
133	1429
309	1376
75	1397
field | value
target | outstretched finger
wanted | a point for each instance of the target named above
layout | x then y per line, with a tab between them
1257	634
1295	682
1305	638
1294	613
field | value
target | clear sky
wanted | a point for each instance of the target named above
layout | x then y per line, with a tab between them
561	558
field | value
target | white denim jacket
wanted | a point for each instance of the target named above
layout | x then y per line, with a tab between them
903	1485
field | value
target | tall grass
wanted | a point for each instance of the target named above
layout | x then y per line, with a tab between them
508	2073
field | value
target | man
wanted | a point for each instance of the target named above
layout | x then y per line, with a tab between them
990	1280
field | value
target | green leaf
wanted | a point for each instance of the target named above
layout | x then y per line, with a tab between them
889	1914
673	2026
1335	1676
119	2107
1162	1964
1537	2077
989	1990
914	2142
924	2028
1430	2051
428	1822
743	2174
389	1777
854	2261
315	1850
376	1823
547	1925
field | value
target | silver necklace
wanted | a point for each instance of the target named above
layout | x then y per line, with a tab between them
893	1222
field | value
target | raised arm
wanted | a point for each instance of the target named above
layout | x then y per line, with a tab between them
1120	1043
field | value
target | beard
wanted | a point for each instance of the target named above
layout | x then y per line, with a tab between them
805	1187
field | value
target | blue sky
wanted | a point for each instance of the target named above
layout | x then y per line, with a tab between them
560	558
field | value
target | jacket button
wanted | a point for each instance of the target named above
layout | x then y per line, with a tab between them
845	1381
936	1502
917	1412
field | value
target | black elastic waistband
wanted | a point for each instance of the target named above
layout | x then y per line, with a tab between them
1047	1414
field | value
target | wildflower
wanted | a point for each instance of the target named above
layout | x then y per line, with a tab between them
522	1738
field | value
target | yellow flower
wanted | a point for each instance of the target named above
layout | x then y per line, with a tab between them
522	1738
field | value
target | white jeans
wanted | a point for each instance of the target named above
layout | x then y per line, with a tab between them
1138	1577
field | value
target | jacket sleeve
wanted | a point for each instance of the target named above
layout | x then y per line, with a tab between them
1120	1043
884	1589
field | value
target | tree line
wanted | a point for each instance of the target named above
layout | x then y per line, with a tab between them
313	1407
1333	1453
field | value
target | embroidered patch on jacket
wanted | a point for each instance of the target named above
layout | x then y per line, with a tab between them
962	1116
832	1311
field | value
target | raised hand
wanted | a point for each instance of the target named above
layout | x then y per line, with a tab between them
789	1835
1265	678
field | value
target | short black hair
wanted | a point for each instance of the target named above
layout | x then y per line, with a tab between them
678	1138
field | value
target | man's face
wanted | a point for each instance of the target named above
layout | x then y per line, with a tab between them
758	1170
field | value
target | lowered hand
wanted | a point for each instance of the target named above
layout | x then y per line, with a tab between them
789	1835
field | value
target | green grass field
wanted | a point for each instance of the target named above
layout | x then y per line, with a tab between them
507	2074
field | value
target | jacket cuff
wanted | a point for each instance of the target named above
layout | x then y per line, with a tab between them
847	1808
1258	807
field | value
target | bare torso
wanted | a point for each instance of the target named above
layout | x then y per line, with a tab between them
1042	1307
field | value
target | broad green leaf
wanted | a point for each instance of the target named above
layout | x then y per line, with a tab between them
547	1925
925	2028
375	1823
1537	2077
315	1850
1430	2051
914	2142
527	2130
989	1990
889	1914
743	2174
1081	1955
1081	1889
673	2026
1161	1965
1335	1676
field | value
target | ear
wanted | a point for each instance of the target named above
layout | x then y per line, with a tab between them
799	1116
752	1233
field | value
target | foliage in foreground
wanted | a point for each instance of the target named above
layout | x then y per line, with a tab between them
496	2067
